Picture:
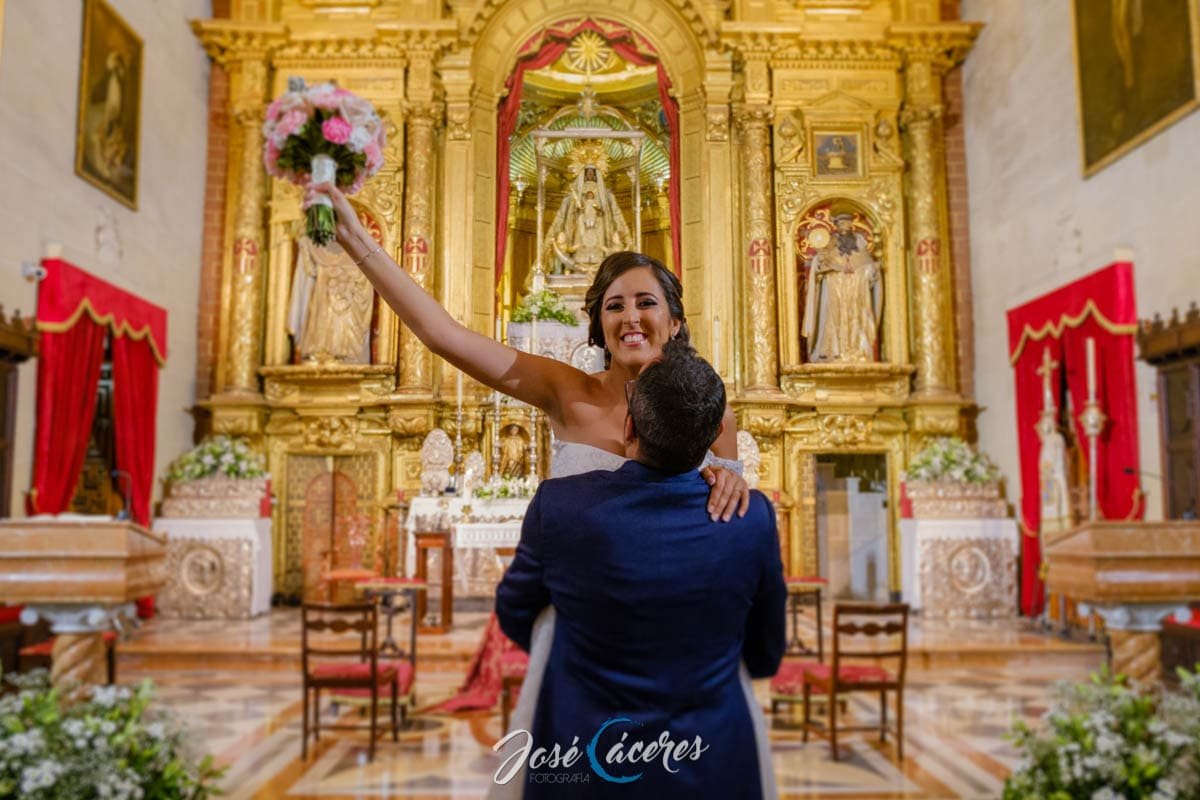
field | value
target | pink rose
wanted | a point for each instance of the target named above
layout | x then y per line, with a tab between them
336	130
271	160
290	123
374	156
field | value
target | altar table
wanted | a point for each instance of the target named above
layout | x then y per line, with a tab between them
216	568
960	568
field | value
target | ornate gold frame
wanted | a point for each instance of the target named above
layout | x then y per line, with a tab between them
91	8
1155	129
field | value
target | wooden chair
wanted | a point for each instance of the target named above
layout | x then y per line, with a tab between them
385	592
513	666
787	685
332	661
852	622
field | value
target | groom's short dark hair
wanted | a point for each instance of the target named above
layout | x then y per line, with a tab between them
677	404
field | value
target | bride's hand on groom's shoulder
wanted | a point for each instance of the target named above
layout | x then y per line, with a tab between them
729	493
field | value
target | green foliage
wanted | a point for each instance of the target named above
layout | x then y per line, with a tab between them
298	151
545	306
506	488
110	746
949	458
1105	740
219	455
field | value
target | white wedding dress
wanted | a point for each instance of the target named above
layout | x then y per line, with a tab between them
573	458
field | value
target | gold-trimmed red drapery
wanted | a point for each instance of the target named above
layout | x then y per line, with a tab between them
1099	306
76	311
543	49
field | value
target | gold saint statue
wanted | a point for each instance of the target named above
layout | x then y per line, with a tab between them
841	310
330	313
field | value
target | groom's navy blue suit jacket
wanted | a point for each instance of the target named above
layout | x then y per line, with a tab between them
657	606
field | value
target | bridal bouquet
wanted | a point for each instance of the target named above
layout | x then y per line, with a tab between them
322	134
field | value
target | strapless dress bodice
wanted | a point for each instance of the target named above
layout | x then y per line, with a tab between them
575	458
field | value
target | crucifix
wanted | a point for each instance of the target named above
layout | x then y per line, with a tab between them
1046	370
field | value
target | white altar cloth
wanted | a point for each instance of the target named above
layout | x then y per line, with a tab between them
484	524
255	532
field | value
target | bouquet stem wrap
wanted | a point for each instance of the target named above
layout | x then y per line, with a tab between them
321	217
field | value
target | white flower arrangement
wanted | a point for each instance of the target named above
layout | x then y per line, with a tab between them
506	488
949	458
221	456
545	306
107	746
1105	740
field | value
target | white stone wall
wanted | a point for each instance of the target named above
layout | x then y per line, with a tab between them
42	200
1036	224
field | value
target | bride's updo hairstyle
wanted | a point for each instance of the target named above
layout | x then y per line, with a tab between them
614	267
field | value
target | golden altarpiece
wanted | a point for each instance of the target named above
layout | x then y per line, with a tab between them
810	134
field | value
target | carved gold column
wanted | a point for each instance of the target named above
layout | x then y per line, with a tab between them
760	348
246	193
416	362
929	257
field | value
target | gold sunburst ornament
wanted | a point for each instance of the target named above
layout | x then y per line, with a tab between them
588	154
588	53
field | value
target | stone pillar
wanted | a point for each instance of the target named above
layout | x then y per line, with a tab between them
246	190
78	657
416	362
761	351
930	267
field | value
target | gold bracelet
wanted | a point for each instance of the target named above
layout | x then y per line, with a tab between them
358	262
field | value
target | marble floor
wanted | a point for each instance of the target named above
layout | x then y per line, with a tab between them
236	686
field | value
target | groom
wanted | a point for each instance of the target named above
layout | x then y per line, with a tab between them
644	693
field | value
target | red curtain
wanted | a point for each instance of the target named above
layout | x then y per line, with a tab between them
68	371
542	50
135	407
1100	306
75	312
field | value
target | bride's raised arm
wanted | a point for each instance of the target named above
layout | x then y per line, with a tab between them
541	382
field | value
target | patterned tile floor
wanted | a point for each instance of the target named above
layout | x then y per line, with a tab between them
237	688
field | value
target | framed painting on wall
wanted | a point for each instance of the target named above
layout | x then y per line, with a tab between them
110	96
837	154
1137	72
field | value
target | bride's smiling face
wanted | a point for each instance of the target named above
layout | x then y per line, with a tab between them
635	319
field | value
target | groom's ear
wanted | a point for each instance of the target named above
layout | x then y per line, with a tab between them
630	431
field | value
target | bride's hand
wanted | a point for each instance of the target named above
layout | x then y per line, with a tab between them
729	493
347	227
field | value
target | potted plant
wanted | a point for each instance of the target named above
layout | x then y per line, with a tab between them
949	479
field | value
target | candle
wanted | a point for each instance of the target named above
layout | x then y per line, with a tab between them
498	331
458	383
1091	370
716	344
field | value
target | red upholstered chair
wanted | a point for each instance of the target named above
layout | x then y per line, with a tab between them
385	592
870	654
339	654
513	666
40	655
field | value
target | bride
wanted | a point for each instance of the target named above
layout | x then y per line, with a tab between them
634	306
